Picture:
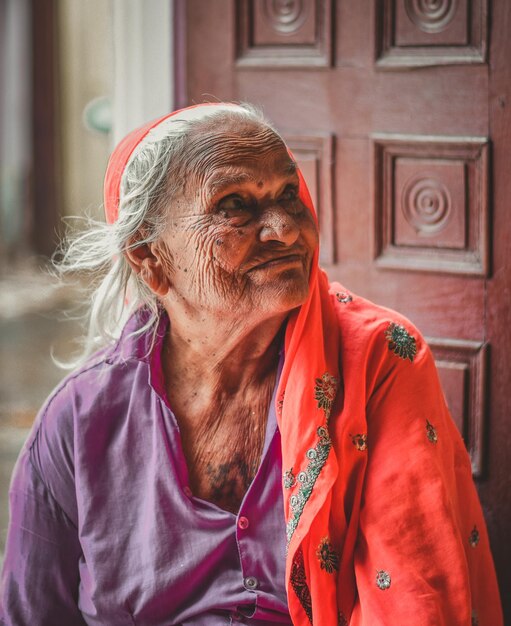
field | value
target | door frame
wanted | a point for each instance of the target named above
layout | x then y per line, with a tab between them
143	63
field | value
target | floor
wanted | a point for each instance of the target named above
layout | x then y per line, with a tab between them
32	327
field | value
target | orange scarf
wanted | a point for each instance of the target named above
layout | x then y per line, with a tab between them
384	525
383	521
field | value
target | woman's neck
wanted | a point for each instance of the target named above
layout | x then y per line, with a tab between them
224	355
220	378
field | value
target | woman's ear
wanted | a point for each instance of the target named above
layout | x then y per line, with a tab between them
146	261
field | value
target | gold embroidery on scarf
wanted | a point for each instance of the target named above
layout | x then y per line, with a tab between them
473	539
325	391
431	432
327	556
359	441
298	580
383	579
289	479
400	341
341	619
344	297
317	457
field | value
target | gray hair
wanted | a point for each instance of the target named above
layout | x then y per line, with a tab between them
114	291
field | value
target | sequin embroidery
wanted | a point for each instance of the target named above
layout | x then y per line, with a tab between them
325	391
328	558
383	579
344	297
341	619
289	479
401	342
280	404
317	457
474	537
431	432
298	580
359	441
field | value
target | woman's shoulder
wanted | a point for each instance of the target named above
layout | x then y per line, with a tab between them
359	316
375	339
103	380
80	389
85	407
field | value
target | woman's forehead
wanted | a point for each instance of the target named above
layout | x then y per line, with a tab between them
232	133
257	172
244	149
249	165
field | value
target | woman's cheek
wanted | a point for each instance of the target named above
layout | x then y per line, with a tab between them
211	259
230	248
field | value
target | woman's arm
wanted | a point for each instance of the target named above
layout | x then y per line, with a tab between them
40	578
422	555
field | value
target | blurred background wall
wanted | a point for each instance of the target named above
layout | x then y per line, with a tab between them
85	59
15	123
75	76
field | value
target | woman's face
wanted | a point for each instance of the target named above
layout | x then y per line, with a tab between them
239	241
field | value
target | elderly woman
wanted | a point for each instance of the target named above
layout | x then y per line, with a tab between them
256	445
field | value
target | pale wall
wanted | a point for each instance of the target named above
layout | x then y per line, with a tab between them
86	72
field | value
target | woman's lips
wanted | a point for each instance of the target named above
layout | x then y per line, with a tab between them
288	259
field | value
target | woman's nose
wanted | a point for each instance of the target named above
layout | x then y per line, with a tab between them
278	225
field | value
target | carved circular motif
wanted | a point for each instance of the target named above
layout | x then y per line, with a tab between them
431	16
285	16
426	204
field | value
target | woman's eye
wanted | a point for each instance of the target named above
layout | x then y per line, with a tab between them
232	205
291	201
289	194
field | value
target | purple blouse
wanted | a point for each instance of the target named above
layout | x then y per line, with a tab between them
104	528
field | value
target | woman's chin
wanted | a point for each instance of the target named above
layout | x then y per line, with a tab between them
283	298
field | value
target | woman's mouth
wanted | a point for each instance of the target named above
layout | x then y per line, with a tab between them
281	261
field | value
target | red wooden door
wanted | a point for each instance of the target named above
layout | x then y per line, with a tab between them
398	113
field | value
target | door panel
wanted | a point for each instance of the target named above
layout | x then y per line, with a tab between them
398	112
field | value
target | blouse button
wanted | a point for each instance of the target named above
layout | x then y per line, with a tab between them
243	523
251	583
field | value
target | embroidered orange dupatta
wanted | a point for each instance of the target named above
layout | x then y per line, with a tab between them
383	521
384	524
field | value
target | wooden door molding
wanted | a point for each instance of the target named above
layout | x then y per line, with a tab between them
143	68
495	493
462	368
274	33
431	203
411	33
314	154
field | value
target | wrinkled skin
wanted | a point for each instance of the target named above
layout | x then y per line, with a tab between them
234	260
239	212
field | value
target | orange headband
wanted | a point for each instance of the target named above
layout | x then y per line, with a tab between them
124	150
